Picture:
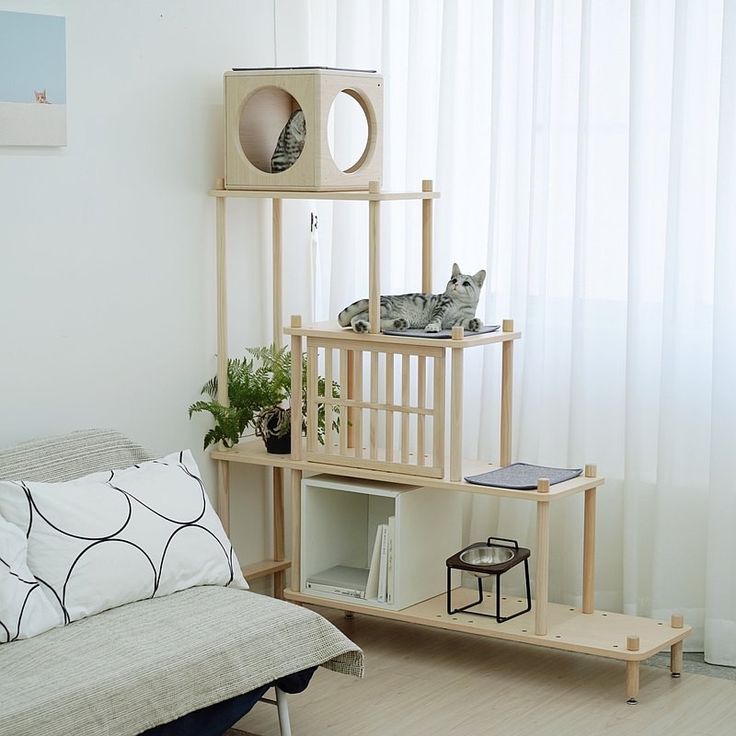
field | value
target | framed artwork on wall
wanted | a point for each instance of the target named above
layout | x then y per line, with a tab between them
32	79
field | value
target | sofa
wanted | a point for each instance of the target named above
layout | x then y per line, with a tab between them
190	662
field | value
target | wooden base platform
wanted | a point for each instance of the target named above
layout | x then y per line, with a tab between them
600	633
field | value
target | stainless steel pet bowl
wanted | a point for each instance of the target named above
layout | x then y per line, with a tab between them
480	556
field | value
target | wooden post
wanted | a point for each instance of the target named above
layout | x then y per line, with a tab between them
296	389
589	544
352	412
632	682
296	524
358	411
676	622
329	408
344	396
279	549
456	405
542	576
405	390
223	472
507	383
277	259
374	260
312	378
223	494
390	400
632	672
373	432
221	303
438	413
427	238
422	403
279	553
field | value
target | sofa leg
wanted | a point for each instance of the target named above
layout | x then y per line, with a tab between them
283	708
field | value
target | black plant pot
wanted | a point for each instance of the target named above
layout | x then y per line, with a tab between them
278	445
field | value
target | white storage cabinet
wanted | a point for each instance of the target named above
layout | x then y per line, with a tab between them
339	521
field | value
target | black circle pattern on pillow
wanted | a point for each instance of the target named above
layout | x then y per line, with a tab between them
9	627
156	571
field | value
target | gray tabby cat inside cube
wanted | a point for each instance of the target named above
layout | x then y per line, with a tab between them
430	312
290	143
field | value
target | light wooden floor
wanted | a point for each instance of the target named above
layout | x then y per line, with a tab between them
427	682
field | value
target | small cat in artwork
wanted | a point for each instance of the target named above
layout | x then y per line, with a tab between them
430	312
290	143
41	96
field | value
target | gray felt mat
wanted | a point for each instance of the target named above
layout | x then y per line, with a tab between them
445	334
522	476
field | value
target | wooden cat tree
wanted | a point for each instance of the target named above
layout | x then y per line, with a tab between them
393	396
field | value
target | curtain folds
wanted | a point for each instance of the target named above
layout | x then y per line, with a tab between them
586	155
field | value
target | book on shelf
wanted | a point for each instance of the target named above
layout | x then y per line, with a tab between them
383	565
340	580
390	559
371	586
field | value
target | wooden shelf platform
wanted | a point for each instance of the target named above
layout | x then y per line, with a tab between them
600	633
331	330
263	568
253	452
351	195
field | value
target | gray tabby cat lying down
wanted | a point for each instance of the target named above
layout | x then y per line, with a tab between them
430	312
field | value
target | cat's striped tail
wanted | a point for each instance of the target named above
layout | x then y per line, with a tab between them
351	310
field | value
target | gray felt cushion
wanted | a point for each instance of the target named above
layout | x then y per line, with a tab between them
523	476
446	334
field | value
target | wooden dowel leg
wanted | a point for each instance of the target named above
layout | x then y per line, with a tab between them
296	389
427	238
277	268
456	406
676	622
223	494
374	262
279	551
589	552
507	379
632	671
676	659
296	526
542	581
632	682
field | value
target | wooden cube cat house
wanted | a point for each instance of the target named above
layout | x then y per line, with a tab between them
258	104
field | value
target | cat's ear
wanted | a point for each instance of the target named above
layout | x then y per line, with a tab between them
455	269
479	278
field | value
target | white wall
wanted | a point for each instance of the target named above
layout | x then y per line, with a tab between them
107	245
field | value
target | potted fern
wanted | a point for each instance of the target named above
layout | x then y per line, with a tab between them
259	390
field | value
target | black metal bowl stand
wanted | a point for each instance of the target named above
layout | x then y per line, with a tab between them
521	554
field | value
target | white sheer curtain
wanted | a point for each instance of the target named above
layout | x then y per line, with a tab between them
586	155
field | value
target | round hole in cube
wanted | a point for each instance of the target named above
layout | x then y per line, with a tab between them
263	118
348	131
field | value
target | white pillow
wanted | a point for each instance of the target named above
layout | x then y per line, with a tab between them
121	535
24	609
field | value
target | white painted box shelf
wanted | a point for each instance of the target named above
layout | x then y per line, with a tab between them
339	521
